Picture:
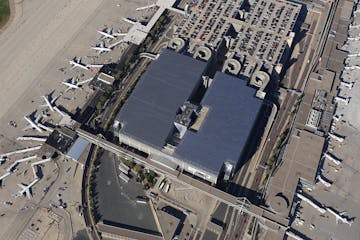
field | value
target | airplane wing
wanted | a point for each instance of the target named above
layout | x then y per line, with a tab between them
59	111
37	119
54	99
48	104
145	7
117	43
129	21
22	186
70	85
119	34
32	124
106	35
72	63
28	127
85	81
28	193
68	89
95	65
24	189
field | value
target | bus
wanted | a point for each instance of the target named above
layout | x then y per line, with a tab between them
124	177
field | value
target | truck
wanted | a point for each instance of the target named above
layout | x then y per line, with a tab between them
167	187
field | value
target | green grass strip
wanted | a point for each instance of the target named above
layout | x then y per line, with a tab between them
4	12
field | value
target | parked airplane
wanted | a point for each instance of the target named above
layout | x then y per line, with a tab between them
341	99
146	7
73	83
109	33
354	26
26	189
116	43
337	117
129	20
336	137
332	158
33	124
76	62
340	216
349	85
354	55
353	38
356	11
100	48
49	101
323	180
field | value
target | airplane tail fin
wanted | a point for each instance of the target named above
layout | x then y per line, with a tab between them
28	193
22	186
27	127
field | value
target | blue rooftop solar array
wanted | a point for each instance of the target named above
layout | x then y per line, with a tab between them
233	110
149	113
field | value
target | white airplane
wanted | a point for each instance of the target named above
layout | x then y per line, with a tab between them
26	189
76	62
323	181
332	158
336	137
100	48
74	83
353	38
340	216
341	99
108	33
49	102
33	124
356	11
354	26
353	55
337	117
146	7
131	21
349	85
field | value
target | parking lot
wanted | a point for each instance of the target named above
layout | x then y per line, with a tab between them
112	191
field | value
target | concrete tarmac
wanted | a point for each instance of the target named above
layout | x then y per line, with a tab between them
36	46
41	38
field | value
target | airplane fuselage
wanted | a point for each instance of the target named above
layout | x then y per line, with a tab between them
70	85
48	103
79	65
32	123
101	49
105	34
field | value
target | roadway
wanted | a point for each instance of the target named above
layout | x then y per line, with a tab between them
128	82
296	78
280	121
239	203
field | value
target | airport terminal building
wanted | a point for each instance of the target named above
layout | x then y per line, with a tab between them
165	118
